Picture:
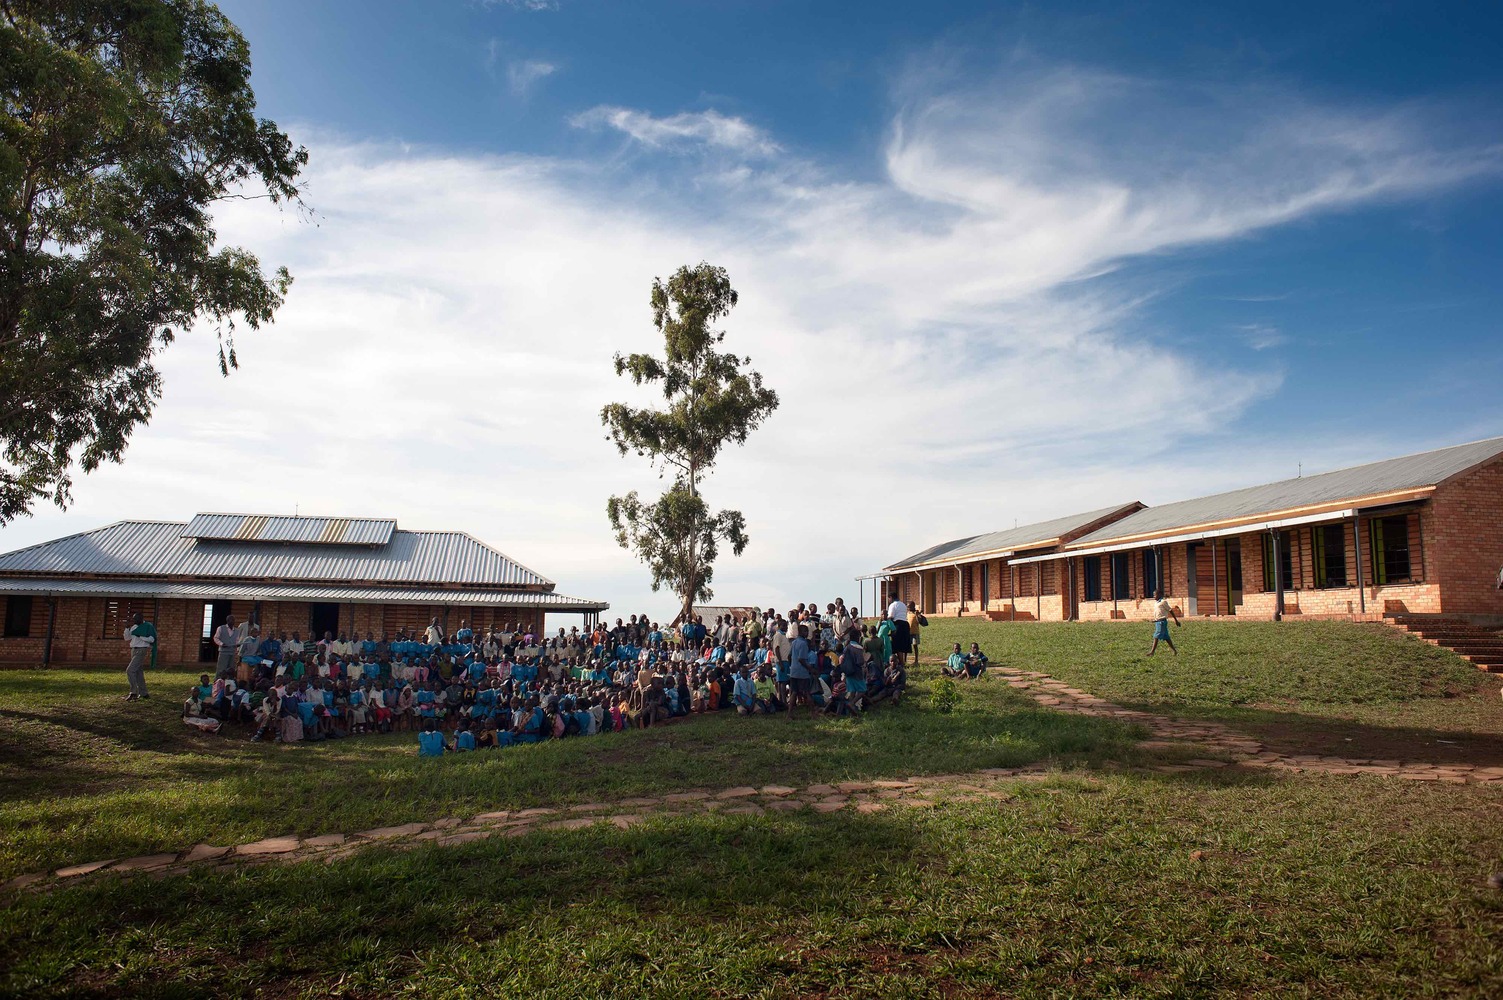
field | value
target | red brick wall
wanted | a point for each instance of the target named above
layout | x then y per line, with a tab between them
1468	514
78	639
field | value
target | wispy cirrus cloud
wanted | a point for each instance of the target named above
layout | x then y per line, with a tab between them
523	74
531	6
685	130
955	341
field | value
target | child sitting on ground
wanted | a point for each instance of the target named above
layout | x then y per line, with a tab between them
430	740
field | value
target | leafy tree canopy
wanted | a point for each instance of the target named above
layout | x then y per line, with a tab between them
123	122
711	399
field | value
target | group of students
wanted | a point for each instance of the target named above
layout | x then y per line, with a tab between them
501	687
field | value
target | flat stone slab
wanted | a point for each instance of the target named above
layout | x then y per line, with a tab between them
73	871
271	845
144	862
22	881
786	805
570	824
737	793
628	820
585	807
447	823
531	813
892	784
777	790
463	837
327	840
746	810
686	797
493	817
388	832
827	806
207	852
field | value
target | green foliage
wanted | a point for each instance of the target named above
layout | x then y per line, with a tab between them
712	399
944	695
123	122
677	537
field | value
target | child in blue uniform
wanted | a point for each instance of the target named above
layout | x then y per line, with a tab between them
431	741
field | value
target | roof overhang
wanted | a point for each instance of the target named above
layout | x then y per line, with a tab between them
69	587
1193	536
1251	522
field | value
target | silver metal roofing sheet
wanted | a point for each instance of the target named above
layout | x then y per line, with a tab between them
1025	536
157	548
1388	476
285	528
295	592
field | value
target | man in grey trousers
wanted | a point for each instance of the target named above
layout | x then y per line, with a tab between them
141	637
227	637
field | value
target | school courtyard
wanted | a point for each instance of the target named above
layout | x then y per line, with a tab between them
1301	808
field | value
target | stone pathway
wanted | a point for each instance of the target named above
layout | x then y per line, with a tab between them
1230	749
1241	749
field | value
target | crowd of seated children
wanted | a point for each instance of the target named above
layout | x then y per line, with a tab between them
498	688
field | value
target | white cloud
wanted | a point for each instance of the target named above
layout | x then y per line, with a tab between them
686	129
522	74
1262	336
531	6
950	348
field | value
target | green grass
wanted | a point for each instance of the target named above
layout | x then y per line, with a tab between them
1332	687
84	776
1096	882
1304	887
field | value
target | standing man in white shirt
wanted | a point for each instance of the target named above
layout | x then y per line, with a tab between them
902	637
140	637
1162	612
227	637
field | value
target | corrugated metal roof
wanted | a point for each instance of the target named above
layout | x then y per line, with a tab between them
295	592
1024	537
158	549
1376	478
284	528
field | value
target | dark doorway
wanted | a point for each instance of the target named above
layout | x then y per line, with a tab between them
986	586
1234	573
215	612
323	618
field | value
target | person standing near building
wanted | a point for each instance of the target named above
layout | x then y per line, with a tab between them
902	638
227	637
1162	612
141	637
916	624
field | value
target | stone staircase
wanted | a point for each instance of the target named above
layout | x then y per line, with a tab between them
1477	644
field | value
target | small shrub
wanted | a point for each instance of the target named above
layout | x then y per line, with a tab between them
945	695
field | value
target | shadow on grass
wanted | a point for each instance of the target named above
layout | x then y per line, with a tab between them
374	915
1298	733
101	800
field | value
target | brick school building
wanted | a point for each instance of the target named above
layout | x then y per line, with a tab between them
67	601
1420	534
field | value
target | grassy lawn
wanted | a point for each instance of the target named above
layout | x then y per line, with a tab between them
1085	886
85	776
1095	882
1328	687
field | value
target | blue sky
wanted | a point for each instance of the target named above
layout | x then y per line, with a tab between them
1004	262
